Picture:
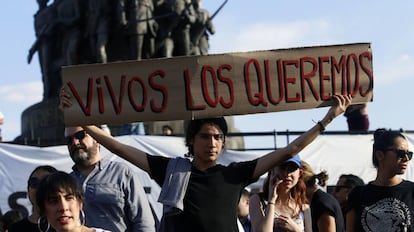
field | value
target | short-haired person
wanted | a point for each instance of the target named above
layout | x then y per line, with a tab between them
387	202
29	224
199	194
325	209
243	211
343	187
282	206
60	201
114	195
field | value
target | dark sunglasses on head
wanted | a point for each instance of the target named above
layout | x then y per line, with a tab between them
401	153
33	182
78	135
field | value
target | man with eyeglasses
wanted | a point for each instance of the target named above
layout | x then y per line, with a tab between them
114	197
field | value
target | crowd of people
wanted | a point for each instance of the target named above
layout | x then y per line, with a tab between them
198	194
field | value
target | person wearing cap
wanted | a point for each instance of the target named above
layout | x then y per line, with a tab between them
325	209
197	193
282	206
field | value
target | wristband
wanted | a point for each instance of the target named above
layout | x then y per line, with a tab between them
322	127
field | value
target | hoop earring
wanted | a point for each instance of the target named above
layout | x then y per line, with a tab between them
82	218
40	221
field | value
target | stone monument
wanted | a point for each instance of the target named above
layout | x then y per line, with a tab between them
71	32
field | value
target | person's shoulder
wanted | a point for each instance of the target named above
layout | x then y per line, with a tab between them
305	207
243	163
407	184
121	167
324	197
99	230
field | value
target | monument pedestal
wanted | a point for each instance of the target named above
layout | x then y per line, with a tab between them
42	125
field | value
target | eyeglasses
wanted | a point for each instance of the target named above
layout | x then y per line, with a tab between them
401	154
33	182
340	187
78	135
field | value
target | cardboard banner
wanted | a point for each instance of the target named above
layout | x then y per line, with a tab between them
217	85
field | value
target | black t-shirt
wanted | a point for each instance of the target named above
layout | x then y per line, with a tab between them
323	202
381	208
211	199
24	225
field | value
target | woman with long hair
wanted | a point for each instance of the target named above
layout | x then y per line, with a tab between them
282	205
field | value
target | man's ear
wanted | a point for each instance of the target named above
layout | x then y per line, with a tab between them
98	145
380	155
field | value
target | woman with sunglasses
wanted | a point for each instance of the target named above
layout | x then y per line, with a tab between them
386	203
29	224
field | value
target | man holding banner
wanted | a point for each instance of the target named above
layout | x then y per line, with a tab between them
115	199
197	193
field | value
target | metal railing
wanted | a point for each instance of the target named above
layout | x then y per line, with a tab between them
288	134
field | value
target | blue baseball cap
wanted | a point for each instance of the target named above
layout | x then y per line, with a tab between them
295	159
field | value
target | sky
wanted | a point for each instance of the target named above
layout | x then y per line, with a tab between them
249	26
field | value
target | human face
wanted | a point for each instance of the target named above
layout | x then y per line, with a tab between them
33	182
62	211
82	148
243	207
394	163
289	173
342	191
207	144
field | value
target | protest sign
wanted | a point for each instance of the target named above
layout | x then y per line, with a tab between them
217	85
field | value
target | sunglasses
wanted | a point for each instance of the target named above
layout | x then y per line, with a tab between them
340	187
33	182
401	154
78	135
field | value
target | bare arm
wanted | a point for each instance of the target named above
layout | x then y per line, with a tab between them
129	153
308	218
326	223
350	220
276	157
262	219
132	154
